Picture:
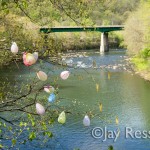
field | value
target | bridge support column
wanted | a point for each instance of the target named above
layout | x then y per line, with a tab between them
104	47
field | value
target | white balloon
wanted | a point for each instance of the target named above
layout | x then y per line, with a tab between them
86	121
35	54
42	75
40	109
49	89
64	75
14	48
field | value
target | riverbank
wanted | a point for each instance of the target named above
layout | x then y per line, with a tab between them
144	74
141	67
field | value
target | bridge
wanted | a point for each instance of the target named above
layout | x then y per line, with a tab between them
104	47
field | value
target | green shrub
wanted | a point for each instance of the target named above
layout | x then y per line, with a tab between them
145	53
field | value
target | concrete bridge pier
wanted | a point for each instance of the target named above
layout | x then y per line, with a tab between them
104	46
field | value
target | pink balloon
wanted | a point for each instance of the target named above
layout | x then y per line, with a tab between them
49	89
30	59
24	59
40	109
24	55
64	75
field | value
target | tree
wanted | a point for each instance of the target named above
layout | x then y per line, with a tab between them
137	37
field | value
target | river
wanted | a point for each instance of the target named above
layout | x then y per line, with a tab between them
122	93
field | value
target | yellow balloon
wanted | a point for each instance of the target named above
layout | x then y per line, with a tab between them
30	58
62	118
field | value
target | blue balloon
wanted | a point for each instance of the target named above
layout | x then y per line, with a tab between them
52	97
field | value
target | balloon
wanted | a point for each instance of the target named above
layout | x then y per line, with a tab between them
40	109
49	89
24	59
62	117
64	75
35	54
42	75
30	59
86	121
14	48
52	97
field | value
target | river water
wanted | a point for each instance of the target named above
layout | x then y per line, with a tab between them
122	93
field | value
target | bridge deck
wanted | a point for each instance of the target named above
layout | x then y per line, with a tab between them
82	29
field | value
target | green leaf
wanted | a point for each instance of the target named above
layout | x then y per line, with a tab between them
3	3
1	146
13	141
44	127
10	128
110	147
33	123
21	124
49	134
51	121
32	136
25	4
6	11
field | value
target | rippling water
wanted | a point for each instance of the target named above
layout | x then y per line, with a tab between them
124	95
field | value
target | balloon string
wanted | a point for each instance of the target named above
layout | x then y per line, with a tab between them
16	64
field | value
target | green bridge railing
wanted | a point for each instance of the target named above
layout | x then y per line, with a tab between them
82	29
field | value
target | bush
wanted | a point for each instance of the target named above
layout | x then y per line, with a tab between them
137	31
145	53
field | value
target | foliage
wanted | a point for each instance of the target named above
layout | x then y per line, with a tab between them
140	63
137	37
137	29
110	147
110	12
145	53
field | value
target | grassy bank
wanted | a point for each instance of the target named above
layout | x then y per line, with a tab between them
142	63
